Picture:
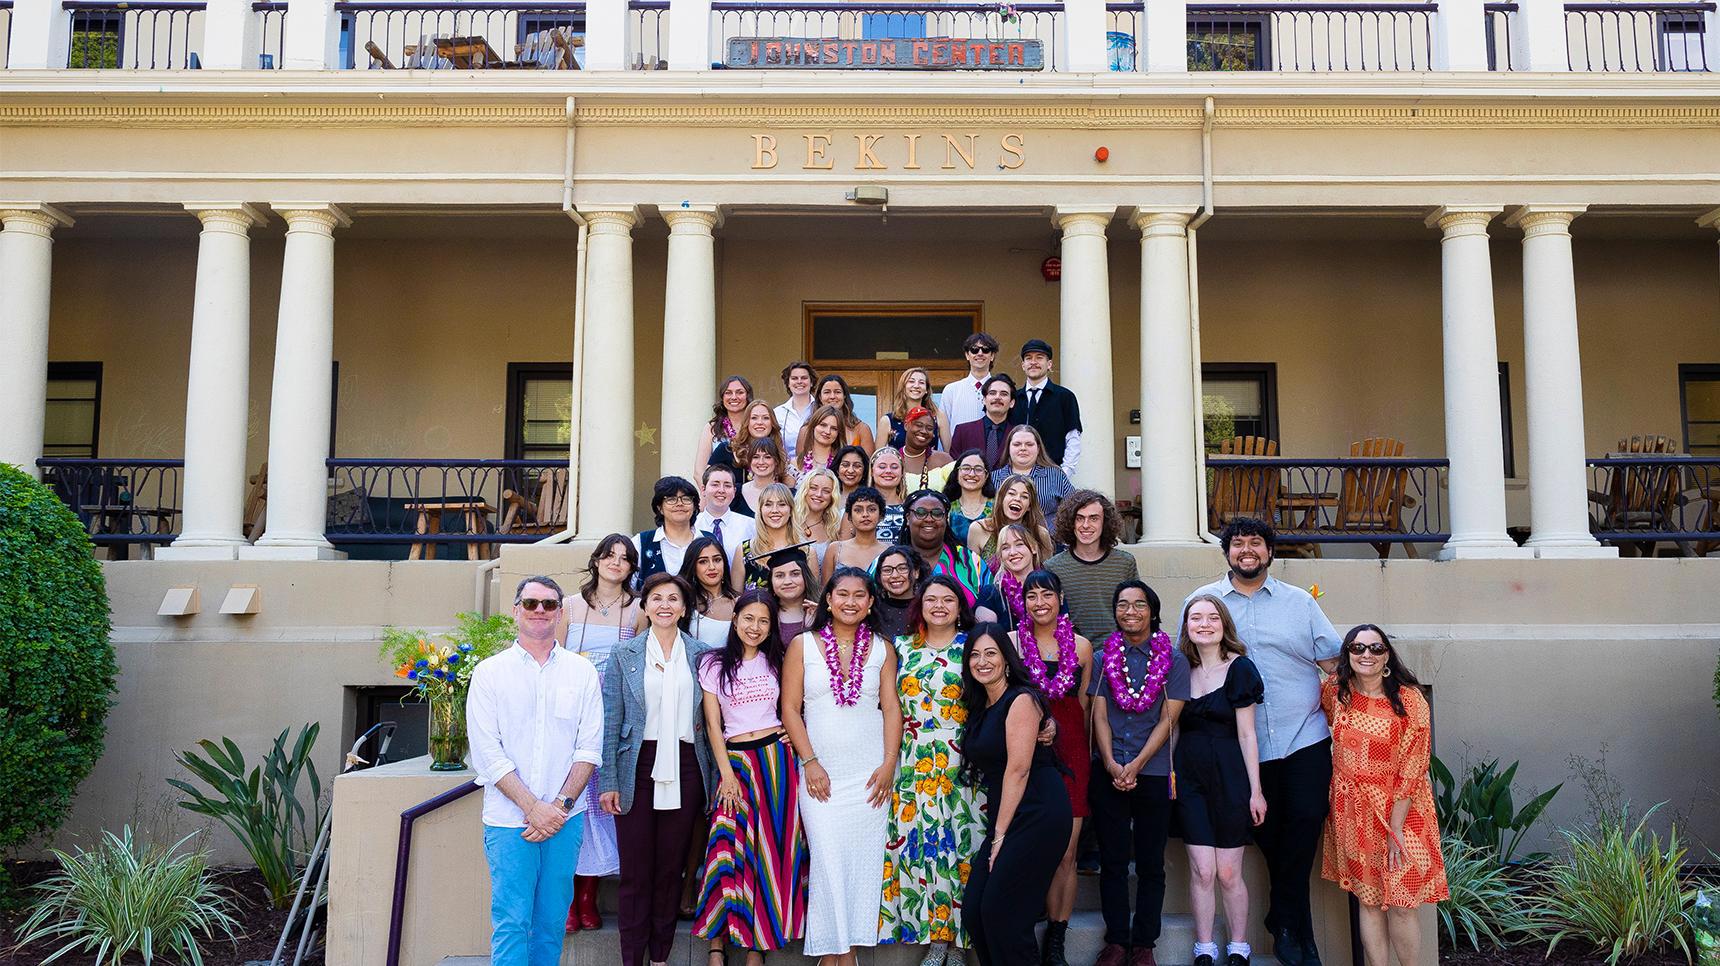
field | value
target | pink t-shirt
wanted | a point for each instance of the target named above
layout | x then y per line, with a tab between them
750	703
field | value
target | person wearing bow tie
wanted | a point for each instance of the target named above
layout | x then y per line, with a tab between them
1048	407
963	401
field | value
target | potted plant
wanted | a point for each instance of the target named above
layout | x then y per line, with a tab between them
441	673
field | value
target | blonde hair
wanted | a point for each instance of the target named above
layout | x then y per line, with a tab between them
902	405
831	518
1035	547
761	543
898	494
1032	519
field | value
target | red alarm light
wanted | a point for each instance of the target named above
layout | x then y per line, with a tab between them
1102	155
1051	268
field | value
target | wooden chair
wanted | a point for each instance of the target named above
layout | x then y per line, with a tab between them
1244	491
550	49
545	515
1639	497
377	56
257	503
1371	498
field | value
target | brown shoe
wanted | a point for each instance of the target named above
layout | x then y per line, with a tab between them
1142	956
1112	955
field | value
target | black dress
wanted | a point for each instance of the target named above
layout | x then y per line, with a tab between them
1000	919
1211	778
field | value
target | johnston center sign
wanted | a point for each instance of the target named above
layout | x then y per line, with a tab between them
898	53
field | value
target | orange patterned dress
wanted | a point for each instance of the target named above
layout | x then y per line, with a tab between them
1377	759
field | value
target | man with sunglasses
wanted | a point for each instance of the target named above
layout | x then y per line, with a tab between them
963	401
534	717
1291	641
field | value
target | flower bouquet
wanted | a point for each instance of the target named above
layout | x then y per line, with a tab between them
1008	13
440	673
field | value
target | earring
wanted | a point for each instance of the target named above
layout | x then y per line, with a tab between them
1386	673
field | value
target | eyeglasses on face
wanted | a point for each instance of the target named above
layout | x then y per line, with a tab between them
1357	647
970	468
894	570
545	604
1134	605
679	499
928	513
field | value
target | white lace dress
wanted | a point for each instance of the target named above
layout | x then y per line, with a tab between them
845	834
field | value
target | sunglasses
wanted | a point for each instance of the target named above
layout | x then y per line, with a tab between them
545	604
979	350
1357	647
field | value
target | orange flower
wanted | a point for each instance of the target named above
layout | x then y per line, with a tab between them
923	766
1316	592
403	670
907	812
941	760
952	692
910	686
958	714
962	870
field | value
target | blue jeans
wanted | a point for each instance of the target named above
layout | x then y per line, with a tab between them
531	886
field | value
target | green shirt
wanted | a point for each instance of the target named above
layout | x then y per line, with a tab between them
1088	587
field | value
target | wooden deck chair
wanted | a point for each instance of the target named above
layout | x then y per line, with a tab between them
257	503
1371	498
377	57
545	515
566	41
1639	497
1244	491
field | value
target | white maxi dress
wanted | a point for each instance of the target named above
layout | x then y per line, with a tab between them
845	835
599	853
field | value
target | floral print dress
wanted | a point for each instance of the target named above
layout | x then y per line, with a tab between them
936	821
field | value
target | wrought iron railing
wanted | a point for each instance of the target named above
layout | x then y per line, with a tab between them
271	34
1639	501
119	501
1378	501
462	36
143	35
425	503
1498	27
886	35
648	34
5	33
1123	23
1637	37
1311	36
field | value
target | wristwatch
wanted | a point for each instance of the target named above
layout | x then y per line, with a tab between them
566	803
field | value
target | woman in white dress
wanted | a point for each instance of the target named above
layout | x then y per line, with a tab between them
848	734
600	615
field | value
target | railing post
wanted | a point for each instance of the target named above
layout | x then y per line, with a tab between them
311	40
689	35
1165	24
41	35
1538	36
606	46
1460	35
229	35
1084	31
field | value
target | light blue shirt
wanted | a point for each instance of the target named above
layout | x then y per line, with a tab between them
1286	633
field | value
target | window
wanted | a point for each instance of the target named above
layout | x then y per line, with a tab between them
97	39
411	718
1229	43
540	410
348	46
1245	391
1505	420
74	409
1681	40
1699	396
928	334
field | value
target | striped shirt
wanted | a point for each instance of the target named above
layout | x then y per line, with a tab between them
1088	587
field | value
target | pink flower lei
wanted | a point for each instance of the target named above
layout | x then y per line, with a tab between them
728	427
806	462
1068	661
846	688
1117	672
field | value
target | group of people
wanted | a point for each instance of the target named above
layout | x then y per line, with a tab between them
819	721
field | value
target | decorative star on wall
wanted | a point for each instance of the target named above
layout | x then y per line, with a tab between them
646	434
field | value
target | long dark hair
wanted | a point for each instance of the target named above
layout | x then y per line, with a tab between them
690	572
727	659
964	612
953	485
849	420
717	410
916	570
822	618
973	693
657	580
1397	676
588	590
865	463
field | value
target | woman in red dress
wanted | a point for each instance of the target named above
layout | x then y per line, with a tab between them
1382	838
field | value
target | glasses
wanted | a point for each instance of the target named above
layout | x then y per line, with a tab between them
1134	605
894	570
979	350
679	500
973	469
548	605
928	513
1357	647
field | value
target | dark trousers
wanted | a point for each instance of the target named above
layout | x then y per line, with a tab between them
1298	796
1141	816
653	846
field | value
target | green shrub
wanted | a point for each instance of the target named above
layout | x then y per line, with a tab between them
124	897
1487	907
261	807
1481	811
56	659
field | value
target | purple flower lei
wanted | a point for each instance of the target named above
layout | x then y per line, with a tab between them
1068	662
846	688
1117	672
728	429
1013	595
806	462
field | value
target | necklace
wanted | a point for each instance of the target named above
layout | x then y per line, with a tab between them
846	688
1117	672
1057	686
603	608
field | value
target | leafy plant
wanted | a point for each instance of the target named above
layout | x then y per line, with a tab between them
56	660
124	897
1481	811
1618	889
261	807
445	670
1487	906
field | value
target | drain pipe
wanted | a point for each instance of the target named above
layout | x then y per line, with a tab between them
578	387
1208	112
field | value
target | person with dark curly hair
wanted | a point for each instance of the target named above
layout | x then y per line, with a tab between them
1091	567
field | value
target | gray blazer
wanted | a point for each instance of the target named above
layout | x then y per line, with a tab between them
624	717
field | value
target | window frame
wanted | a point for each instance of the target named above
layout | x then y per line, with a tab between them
1689	372
1267	375
89	19
1259	25
518	374
809	311
83	371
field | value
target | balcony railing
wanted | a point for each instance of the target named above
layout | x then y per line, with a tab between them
138	35
1123	23
425	503
5	33
1637	37
119	501
271	34
648	33
462	36
1638	502
1499	18
1377	501
1311	36
886	35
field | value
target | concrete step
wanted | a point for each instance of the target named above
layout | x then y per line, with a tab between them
1086	937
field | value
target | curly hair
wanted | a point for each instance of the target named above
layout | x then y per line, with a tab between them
1076	502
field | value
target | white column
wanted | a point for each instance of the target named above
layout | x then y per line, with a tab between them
218	387
26	263
1558	475
301	400
1084	29
689	35
311	40
1085	341
1169	474
1164	23
606	443
1460	35
1538	38
606	48
230	38
1473	441
689	333
1711	219
41	35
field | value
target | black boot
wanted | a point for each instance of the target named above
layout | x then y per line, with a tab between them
1287	946
1052	952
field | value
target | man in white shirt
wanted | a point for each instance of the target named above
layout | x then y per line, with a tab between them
534	717
716	518
963	401
797	378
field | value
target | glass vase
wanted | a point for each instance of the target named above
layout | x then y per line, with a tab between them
447	734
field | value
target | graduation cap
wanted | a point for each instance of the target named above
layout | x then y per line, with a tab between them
785	555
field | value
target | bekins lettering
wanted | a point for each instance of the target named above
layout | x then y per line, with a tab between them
886	152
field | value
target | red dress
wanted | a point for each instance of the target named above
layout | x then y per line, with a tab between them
1071	743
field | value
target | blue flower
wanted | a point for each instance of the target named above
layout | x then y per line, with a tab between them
411	675
422	663
453	658
465	647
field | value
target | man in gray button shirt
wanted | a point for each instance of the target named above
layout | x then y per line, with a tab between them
1291	642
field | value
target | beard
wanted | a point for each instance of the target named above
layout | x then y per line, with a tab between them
1250	573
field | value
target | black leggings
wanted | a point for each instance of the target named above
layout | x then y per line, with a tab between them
1000	919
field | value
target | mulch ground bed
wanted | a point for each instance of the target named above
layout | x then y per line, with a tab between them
1567	954
262	924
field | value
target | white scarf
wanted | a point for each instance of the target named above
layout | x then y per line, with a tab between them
666	770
